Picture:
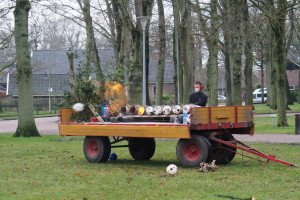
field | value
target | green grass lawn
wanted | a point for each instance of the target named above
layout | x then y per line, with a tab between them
54	167
264	109
264	125
14	115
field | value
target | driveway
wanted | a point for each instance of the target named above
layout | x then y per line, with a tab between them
49	125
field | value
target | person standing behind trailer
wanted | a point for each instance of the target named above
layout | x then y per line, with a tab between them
198	97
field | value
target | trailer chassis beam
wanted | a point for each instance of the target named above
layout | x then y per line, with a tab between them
117	140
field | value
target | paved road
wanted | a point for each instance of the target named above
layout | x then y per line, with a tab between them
45	125
268	115
49	125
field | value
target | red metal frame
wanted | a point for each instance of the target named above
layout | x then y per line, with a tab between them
123	124
225	125
251	150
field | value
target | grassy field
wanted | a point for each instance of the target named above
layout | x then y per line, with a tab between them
264	125
54	167
264	109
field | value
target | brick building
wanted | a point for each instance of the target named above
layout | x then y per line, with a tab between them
292	72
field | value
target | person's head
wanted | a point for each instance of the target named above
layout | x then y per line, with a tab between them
198	86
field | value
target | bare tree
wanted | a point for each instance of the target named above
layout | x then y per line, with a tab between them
276	13
210	32
91	54
135	72
26	124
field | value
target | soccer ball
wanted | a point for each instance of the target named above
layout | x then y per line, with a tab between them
176	109
172	169
78	107
167	110
149	110
157	110
113	156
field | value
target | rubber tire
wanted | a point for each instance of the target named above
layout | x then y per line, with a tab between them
103	145
222	156
209	154
200	142
141	148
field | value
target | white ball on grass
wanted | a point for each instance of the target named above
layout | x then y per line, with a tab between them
172	169
78	107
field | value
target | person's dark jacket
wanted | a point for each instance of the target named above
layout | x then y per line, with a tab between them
198	98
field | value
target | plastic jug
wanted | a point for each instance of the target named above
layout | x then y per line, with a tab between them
185	115
105	112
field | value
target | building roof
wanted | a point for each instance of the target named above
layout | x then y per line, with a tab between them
56	61
168	72
58	84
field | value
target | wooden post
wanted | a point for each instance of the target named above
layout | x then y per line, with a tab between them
96	114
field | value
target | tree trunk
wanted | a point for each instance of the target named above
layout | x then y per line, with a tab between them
226	28
236	54
161	55
212	67
273	91
112	22
176	53
248	53
228	74
186	52
299	86
117	39
269	64
278	27
1	109
135	68
26	124
262	75
70	56
91	53
147	11
289	99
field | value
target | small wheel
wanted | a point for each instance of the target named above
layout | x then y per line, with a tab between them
141	148
96	149
191	153
219	151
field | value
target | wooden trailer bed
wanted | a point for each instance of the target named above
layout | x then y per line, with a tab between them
236	119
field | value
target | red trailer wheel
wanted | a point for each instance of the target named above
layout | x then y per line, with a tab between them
92	147
191	153
96	149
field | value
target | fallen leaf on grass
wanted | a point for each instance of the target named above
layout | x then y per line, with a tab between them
161	175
